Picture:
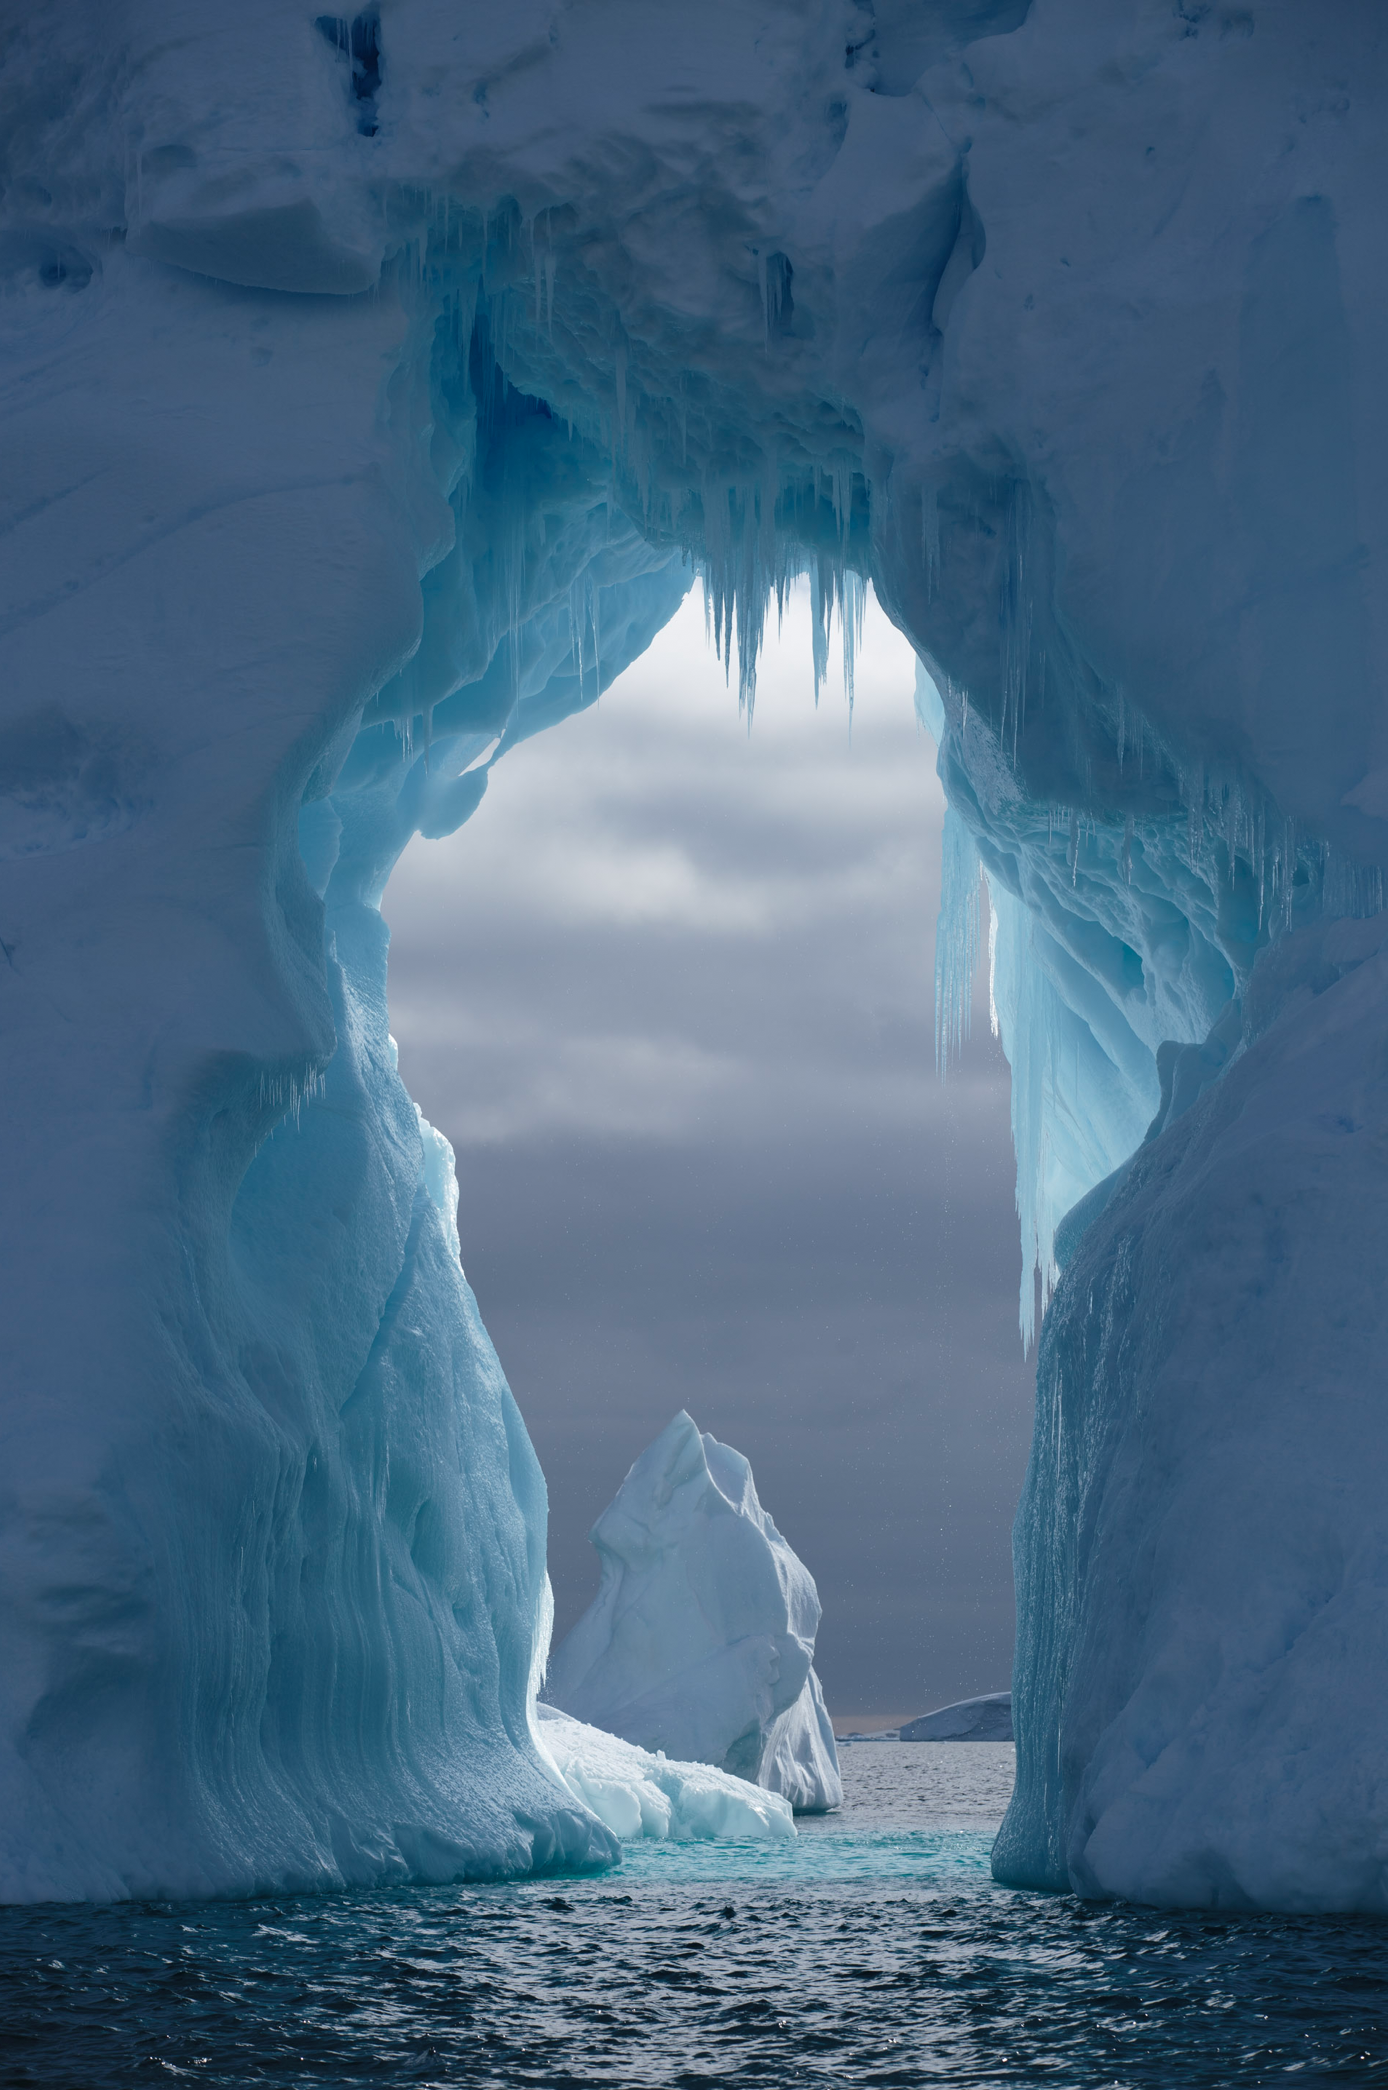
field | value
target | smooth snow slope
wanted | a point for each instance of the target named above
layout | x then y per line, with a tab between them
356	425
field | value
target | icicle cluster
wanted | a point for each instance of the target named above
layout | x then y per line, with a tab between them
527	359
1087	973
956	939
518	329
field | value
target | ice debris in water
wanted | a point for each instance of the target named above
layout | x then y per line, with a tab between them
701	1637
641	1792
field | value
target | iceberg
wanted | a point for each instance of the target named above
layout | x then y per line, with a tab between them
372	390
700	1640
985	1719
1198	1560
640	1793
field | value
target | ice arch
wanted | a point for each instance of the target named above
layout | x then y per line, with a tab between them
368	383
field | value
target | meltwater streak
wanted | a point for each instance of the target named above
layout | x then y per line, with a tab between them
874	1950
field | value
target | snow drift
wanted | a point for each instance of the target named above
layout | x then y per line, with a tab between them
700	1639
371	386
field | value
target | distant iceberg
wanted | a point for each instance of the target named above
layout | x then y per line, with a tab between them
985	1719
701	1637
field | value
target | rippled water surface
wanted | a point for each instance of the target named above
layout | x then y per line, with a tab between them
874	1950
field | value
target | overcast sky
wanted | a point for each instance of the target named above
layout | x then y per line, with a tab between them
670	995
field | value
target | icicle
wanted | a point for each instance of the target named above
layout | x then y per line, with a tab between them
852	601
956	939
819	628
843	497
930	537
993	1023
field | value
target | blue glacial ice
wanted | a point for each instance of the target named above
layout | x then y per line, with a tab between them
371	395
700	1640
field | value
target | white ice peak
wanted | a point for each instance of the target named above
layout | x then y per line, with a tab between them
701	1638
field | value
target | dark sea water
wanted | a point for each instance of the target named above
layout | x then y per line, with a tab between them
874	1950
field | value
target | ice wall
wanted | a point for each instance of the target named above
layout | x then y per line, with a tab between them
273	1532
365	385
1200	1552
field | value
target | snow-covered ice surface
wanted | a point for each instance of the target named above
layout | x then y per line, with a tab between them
638	1792
986	1719
367	388
701	1637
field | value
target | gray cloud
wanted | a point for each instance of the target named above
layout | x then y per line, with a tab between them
670	993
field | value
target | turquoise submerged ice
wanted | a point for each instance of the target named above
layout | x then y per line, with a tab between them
359	424
700	1640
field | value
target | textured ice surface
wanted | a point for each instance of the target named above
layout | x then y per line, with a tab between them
986	1719
701	1636
1200	1555
366	396
638	1792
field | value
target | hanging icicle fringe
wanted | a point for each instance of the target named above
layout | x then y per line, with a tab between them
956	940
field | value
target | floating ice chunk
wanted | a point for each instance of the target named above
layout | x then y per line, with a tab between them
636	1793
985	1719
700	1639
